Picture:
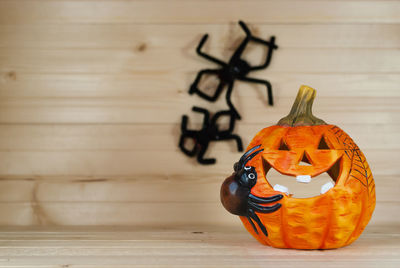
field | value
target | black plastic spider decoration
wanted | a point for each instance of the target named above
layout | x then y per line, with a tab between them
236	193
236	68
208	132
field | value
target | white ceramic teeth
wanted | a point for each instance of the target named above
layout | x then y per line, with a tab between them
326	187
303	178
281	188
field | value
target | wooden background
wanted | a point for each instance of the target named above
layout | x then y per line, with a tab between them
91	95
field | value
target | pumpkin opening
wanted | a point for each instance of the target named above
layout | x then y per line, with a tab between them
335	171
323	145
305	160
283	146
294	187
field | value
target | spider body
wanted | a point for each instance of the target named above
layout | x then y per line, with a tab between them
235	69
209	132
236	192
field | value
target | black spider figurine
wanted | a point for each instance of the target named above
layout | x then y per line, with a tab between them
209	132
236	68
236	196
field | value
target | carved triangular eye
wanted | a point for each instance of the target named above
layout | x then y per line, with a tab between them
322	144
283	146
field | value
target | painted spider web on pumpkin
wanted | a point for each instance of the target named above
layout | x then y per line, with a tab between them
360	170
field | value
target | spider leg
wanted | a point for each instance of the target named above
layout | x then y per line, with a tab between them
204	161
218	115
251	157
265	200
271	46
245	157
245	28
232	119
206	114
263	209
182	146
226	135
229	102
184	123
254	216
239	51
270	43
187	134
206	56
194	87
252	224
246	154
184	130
264	82
238	142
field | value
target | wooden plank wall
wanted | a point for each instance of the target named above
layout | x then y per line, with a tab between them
91	95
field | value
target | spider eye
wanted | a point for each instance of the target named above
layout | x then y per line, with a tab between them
247	168
251	176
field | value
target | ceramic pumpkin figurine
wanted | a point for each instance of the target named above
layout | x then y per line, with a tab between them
332	219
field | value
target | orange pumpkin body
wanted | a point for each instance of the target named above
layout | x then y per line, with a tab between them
330	220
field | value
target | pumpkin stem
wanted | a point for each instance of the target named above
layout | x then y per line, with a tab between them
301	112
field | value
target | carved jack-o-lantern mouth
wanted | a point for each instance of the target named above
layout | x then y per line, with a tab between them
302	185
304	176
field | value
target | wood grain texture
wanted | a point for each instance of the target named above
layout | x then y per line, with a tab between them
185	12
177	188
160	60
131	200
139	137
137	162
224	36
194	246
13	84
141	110
91	97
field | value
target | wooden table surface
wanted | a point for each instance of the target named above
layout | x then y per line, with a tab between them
203	246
